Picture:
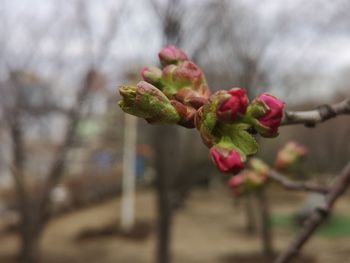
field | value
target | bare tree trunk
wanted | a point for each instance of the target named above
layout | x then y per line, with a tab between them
166	154
265	227
166	145
58	166
30	230
30	252
35	211
250	222
30	234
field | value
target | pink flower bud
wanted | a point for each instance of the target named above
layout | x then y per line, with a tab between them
227	161
186	82
247	181
236	183
146	89
188	73
171	55
191	97
259	167
289	155
186	114
268	123
152	75
234	106
184	74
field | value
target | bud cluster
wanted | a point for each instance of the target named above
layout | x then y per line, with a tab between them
227	120
174	92
178	93
251	179
257	173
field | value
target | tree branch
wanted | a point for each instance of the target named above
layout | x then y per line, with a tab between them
320	114
298	186
58	165
317	217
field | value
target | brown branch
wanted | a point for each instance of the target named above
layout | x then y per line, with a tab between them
297	186
320	114
58	165
317	217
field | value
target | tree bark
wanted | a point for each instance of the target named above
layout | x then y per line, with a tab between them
250	222
165	161
265	227
30	252
35	211
30	232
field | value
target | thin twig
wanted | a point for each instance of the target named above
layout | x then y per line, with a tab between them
298	186
320	114
317	217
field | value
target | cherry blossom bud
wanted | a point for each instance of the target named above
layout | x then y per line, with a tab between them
205	121
188	73
185	76
267	112
236	183
191	97
227	160
146	101
171	55
259	167
186	114
152	75
245	182
233	106
289	155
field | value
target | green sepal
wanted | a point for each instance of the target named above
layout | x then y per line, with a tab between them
240	138
257	109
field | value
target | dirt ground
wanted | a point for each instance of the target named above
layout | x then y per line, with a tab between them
207	230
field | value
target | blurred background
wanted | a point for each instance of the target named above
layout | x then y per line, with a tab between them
82	182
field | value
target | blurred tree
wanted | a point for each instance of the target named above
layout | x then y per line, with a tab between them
34	204
167	154
238	62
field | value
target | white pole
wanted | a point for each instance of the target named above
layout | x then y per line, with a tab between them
128	185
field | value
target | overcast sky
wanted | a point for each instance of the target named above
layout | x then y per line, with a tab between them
315	40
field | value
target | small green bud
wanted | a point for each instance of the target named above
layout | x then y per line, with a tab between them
260	167
148	102
152	75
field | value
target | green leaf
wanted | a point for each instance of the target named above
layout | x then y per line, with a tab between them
243	140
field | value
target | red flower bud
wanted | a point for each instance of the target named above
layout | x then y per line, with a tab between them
268	123
236	183
230	109
227	161
171	55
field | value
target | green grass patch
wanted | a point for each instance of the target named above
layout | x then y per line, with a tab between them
336	226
